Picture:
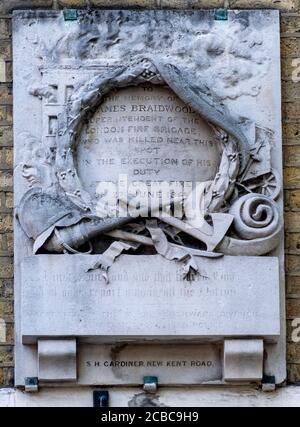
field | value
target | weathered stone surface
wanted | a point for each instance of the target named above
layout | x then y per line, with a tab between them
57	360
129	363
79	66
147	134
63	300
243	360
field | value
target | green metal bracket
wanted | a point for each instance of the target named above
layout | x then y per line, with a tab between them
221	15
31	384
150	384
70	15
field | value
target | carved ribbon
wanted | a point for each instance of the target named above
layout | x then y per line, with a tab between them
106	260
169	252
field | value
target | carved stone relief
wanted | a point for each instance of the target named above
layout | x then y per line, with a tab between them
212	74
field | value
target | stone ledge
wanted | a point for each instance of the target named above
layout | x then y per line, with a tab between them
8	6
121	396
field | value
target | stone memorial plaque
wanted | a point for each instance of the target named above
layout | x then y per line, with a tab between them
151	303
120	101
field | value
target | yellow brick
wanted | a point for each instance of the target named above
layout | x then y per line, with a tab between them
286	5
291	155
293	353
197	4
292	264
2	71
9	114
290	90
292	243
6	157
293	373
6	288
6	137
9	333
3	244
292	307
290	73
291	110
289	330
290	24
291	177
10	243
6	223
293	285
290	47
9	200
5	49
6	355
2	113
8	71
6	377
6	268
72	3
6	180
7	6
5	28
6	307
5	93
292	221
292	200
290	131
124	3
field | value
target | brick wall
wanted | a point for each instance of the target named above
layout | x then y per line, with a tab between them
290	49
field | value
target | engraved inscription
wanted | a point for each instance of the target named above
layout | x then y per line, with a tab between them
149	134
221	296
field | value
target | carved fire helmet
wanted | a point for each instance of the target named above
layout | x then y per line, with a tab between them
40	212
